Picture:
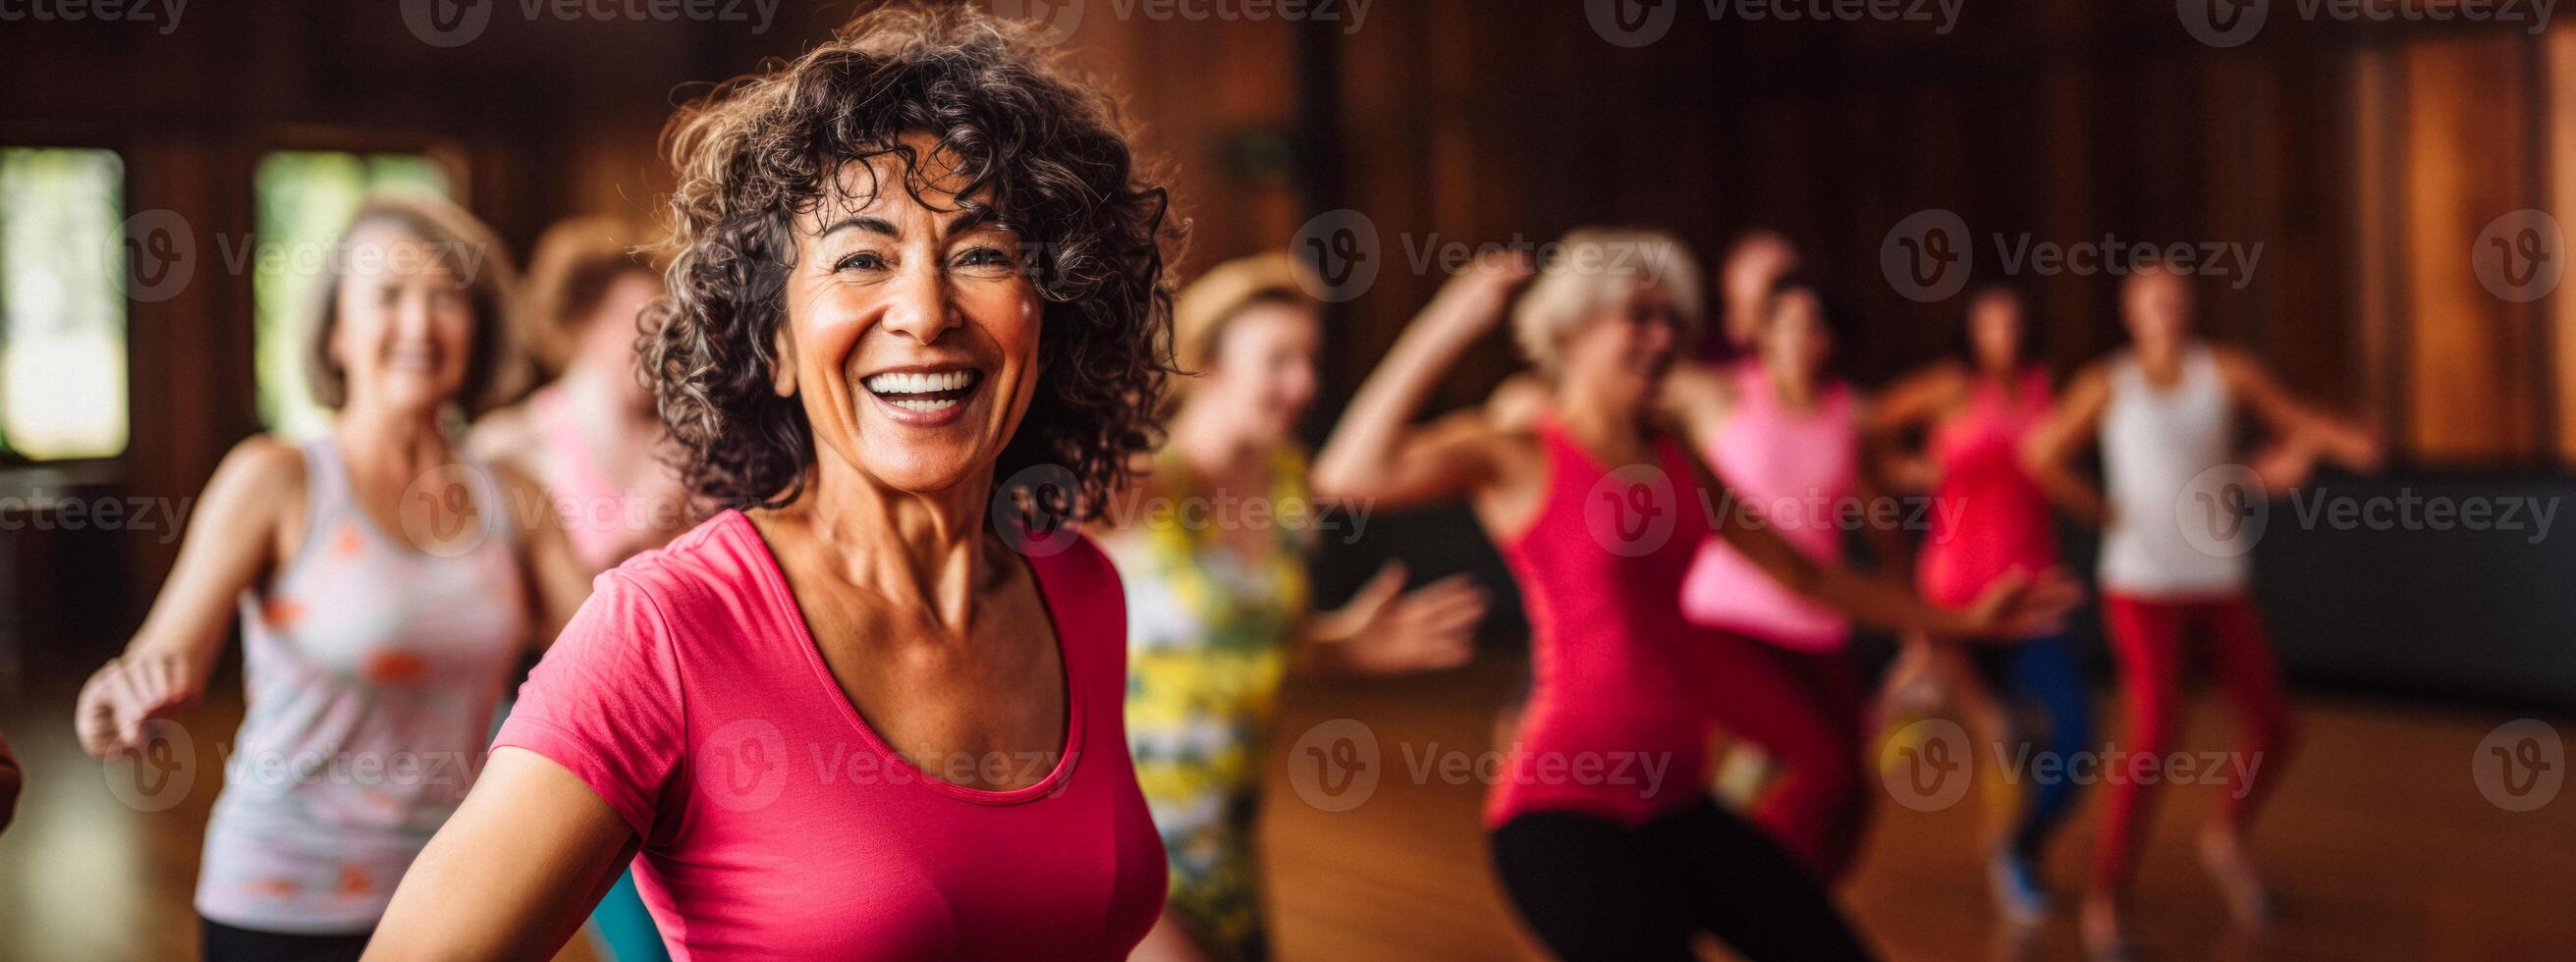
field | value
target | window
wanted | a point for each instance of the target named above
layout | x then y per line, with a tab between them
305	199
62	313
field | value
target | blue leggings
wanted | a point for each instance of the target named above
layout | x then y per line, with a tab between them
2042	686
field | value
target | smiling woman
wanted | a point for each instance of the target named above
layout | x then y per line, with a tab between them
850	718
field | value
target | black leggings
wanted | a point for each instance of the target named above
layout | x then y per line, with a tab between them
1593	888
225	943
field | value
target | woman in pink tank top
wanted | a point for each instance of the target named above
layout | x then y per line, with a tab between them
590	435
384	586
1600	823
1989	520
1787	440
917	327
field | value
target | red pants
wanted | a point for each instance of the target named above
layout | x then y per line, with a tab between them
2147	637
1806	712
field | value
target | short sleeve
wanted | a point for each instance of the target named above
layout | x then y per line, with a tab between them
605	704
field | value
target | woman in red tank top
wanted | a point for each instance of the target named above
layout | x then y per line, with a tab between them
1991	519
1599	825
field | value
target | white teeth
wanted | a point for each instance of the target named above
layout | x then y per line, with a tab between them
923	405
901	383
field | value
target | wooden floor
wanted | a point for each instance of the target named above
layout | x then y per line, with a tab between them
2379	840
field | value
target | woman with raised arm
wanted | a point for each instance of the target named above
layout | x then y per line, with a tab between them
1212	543
916	328
2173	561
1989	519
385	585
1601	826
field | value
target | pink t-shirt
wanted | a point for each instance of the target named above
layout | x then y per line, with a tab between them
776	824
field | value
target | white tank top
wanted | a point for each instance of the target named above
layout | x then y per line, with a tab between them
2156	443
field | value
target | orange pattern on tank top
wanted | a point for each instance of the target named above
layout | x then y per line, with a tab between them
348	542
395	668
355	881
281	612
275	886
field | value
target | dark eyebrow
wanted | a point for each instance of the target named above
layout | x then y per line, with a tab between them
975	219
873	225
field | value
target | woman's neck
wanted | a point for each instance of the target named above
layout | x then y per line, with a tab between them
921	552
1793	388
402	441
1603	425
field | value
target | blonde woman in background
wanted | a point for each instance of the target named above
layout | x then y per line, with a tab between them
1218	600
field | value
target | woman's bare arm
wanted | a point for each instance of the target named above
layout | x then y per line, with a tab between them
557	580
2049	453
2014	607
231	540
1376	451
2298	422
513	873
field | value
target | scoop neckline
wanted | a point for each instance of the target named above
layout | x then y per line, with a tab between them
774	586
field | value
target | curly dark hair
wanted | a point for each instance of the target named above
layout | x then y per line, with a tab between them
761	150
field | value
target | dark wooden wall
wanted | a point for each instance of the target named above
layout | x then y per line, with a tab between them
2364	158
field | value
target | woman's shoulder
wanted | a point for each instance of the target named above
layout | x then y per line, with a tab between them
716	565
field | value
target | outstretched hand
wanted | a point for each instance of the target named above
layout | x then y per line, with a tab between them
1427	629
129	691
2021	605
